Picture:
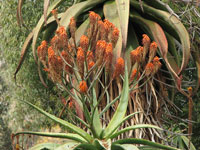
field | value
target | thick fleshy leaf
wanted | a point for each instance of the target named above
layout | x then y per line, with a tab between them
40	25
70	136
68	146
49	146
111	13
157	4
23	52
96	123
129	147
66	124
122	107
76	9
102	144
139	126
170	24
85	147
123	7
19	13
188	143
158	35
143	142
46	5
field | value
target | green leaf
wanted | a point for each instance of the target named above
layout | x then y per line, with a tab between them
111	13
123	120
188	142
77	9
96	123
139	126
170	24
67	146
70	136
129	147
122	107
85	147
123	7
70	126
46	5
144	142
102	144
49	146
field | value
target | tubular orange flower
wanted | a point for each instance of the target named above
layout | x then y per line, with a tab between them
72	27
91	64
149	69
84	43
119	67
115	36
83	87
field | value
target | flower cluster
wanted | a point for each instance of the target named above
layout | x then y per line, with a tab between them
143	54
63	57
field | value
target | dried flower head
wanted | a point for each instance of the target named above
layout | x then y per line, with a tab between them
83	87
84	43
149	69
119	67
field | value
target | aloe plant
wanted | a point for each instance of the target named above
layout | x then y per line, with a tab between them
94	82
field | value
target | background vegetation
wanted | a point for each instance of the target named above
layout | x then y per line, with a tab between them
15	116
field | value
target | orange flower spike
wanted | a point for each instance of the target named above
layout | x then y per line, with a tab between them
72	27
54	42
101	30
133	74
119	67
156	63
42	51
149	69
134	56
84	43
108	56
91	64
115	36
51	52
146	42
93	17
152	50
100	49
80	60
83	87
90	56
